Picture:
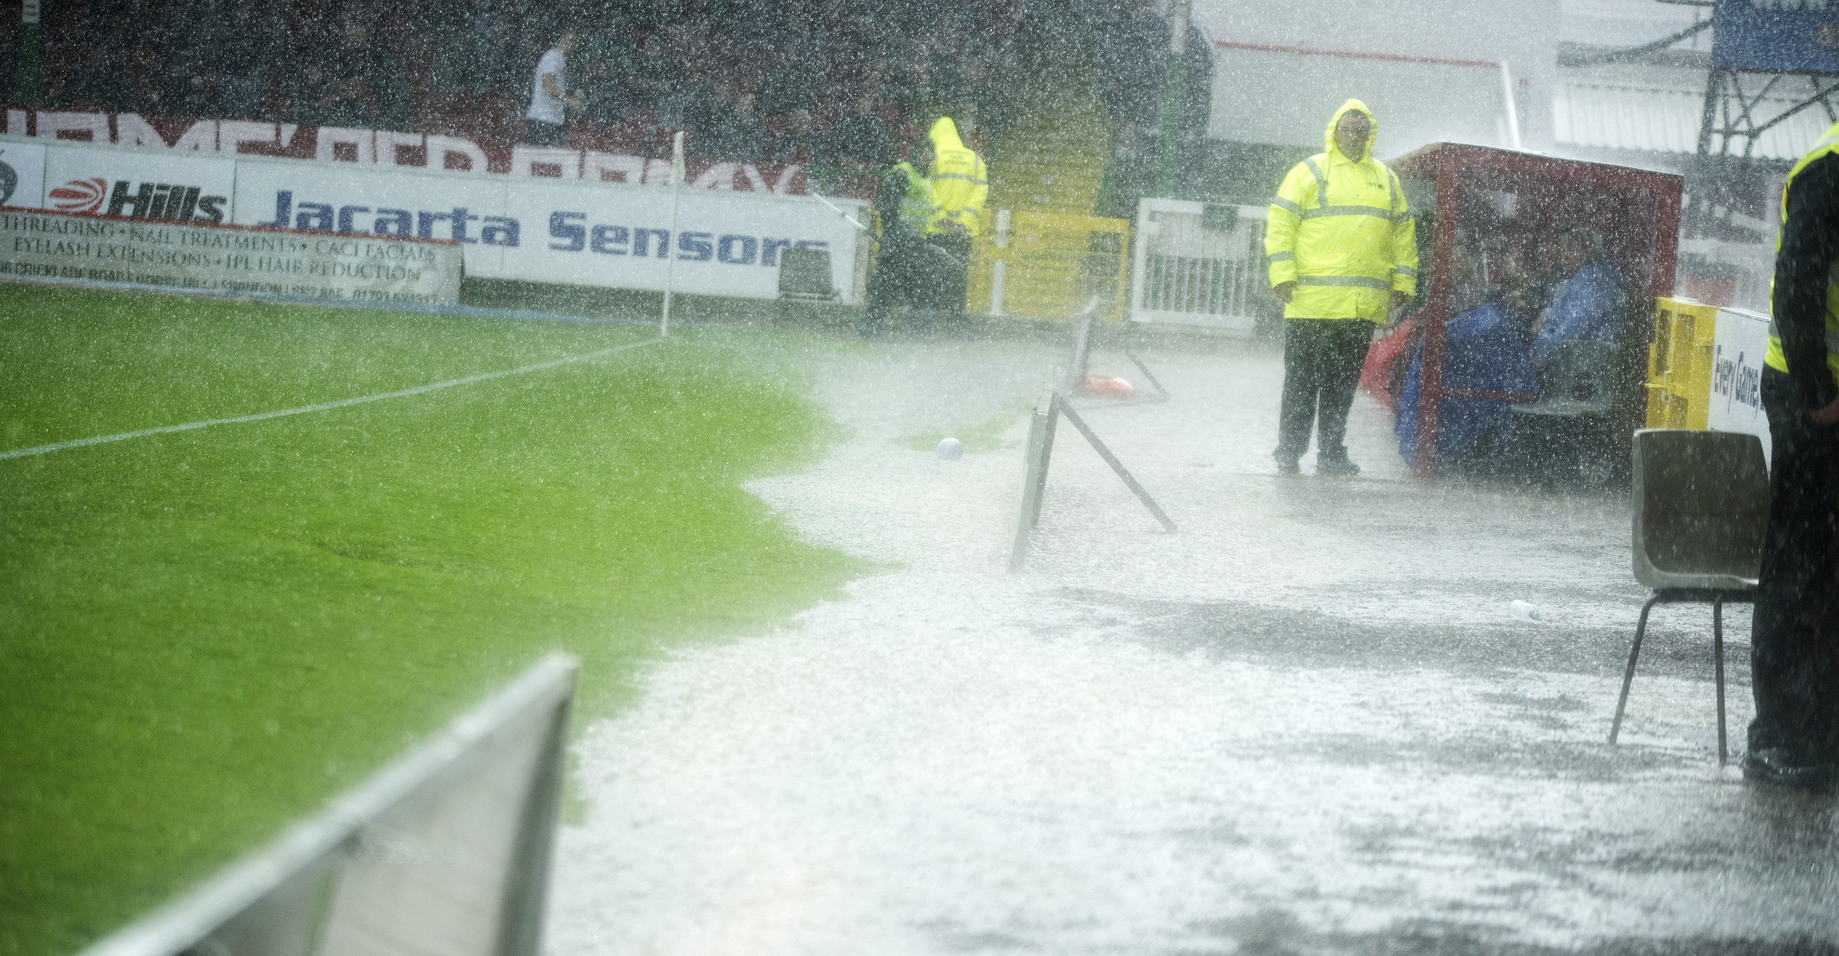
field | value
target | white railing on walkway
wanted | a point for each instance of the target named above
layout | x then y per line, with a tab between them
1197	264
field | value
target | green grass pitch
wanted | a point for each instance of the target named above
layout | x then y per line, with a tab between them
204	635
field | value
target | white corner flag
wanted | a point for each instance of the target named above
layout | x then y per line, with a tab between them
677	175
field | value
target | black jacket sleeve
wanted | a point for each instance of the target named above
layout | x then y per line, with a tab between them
888	197
1810	242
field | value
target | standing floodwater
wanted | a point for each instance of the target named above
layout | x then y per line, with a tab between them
1301	724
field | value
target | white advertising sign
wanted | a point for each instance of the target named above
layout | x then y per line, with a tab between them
726	243
133	184
360	200
527	228
1739	341
46	245
22	175
555	230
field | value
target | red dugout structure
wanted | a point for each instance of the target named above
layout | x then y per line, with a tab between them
1635	211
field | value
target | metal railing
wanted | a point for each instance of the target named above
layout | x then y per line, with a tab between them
1198	264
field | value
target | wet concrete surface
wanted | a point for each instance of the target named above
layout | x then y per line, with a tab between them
1305	722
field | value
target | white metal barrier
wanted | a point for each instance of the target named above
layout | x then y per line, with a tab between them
444	852
1197	264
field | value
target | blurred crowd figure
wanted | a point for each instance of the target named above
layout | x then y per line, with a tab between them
824	80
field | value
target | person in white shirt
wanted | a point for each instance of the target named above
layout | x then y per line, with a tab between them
549	99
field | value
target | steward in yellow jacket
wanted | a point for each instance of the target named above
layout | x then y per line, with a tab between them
1794	634
1343	253
960	184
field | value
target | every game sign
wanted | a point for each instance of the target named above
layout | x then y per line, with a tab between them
89	248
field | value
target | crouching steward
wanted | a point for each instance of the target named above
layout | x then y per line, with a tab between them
903	206
960	184
1342	250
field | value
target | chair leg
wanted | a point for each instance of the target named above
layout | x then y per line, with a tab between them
1717	657
1634	652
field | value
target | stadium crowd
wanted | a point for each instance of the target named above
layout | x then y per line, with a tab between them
841	81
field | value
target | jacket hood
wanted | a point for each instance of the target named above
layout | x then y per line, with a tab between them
1366	152
944	135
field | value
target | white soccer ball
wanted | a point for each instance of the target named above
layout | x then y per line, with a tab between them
951	449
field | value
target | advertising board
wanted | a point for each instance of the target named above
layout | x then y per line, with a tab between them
1739	341
560	231
1776	36
22	175
138	185
50	245
527	228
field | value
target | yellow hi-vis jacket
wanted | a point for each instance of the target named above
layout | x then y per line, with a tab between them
960	183
1775	357
916	205
1340	229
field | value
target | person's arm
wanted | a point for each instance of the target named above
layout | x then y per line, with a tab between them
1280	222
1810	241
888	200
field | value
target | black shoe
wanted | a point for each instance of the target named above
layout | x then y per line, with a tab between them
1337	468
1286	465
1786	768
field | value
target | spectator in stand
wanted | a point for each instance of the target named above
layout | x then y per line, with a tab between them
311	89
179	84
653	73
792	86
606	71
497	67
389	83
799	139
861	137
737	133
1138	63
549	99
350	98
245	50
102	78
913	91
441	40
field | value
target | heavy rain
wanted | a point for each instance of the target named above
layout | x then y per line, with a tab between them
832	477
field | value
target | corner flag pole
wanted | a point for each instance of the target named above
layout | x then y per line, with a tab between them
676	193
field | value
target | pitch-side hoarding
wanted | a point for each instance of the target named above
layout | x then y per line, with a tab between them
531	228
1739	341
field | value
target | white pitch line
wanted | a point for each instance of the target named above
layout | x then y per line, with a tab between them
321	407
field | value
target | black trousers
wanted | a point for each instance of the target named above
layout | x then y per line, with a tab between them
951	278
1321	369
1794	641
900	278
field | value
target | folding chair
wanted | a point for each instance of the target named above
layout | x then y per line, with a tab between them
1701	511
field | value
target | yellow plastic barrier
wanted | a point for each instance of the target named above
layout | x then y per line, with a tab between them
1679	364
1053	264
